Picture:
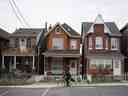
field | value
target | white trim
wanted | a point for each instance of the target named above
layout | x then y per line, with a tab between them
14	66
3	65
33	63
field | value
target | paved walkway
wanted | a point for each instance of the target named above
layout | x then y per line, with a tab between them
53	85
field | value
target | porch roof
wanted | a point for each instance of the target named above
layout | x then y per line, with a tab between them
17	52
102	55
61	55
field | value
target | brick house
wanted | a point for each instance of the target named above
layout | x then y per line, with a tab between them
124	47
21	52
101	48
61	50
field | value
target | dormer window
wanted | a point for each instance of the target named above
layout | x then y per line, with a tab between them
99	43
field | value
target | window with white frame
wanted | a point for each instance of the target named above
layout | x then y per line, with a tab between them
99	43
114	43
58	43
73	44
90	43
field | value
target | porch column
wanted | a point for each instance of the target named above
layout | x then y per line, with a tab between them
14	66
33	64
3	66
79	65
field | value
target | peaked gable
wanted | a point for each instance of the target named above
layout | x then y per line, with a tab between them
99	20
4	34
54	27
66	28
109	27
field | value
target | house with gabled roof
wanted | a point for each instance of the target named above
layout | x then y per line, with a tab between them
21	53
4	44
101	48
62	50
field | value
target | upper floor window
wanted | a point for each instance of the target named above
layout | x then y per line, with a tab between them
58	43
99	43
16	43
90	43
73	44
29	43
23	43
114	43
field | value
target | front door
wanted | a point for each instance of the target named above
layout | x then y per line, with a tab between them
73	68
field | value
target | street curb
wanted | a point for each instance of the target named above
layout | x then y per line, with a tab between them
62	86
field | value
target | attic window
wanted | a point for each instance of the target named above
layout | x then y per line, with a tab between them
57	29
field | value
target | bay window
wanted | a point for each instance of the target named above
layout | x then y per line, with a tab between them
99	43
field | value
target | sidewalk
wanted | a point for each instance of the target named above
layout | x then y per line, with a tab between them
55	85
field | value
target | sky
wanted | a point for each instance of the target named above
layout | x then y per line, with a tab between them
72	12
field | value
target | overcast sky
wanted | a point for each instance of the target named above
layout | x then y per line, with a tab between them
73	12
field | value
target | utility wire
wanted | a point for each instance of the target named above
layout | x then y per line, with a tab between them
17	8
16	13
